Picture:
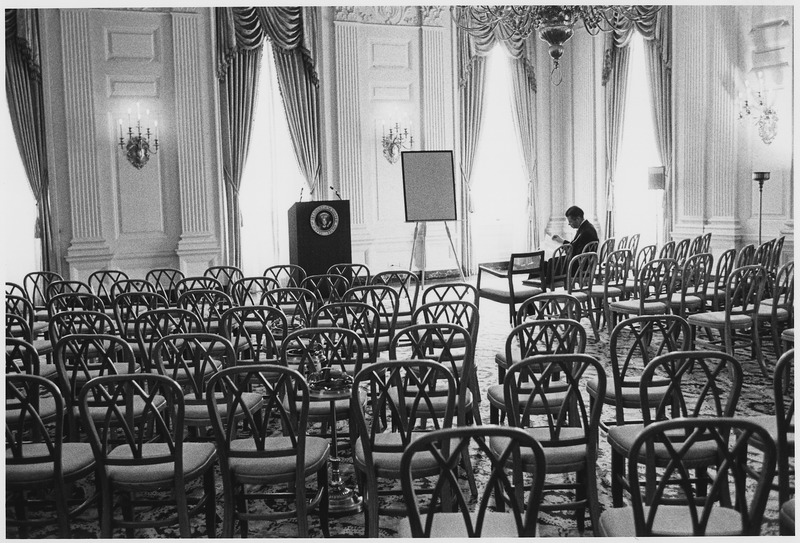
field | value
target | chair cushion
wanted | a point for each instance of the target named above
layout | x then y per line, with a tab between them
631	307
770	424
765	312
787	516
703	453
495	524
630	395
716	319
438	403
501	294
496	397
76	458
671	520
47	410
771	301
197	457
598	291
99	413
691	301
387	464
788	335
196	413
558	458
252	470
43	346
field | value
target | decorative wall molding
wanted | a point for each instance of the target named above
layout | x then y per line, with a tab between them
349	137
390	54
129	44
122	86
79	114
392	92
385	15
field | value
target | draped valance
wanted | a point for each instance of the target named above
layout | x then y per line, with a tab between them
245	28
479	42
22	29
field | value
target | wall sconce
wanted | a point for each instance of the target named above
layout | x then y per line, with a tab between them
137	148
395	141
760	177
765	117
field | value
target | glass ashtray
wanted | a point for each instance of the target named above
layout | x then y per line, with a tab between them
329	381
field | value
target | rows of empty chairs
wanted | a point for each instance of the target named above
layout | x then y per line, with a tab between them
739	299
150	387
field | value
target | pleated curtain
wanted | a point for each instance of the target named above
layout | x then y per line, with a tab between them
472	83
472	51
240	35
523	107
26	105
658	58
615	83
616	61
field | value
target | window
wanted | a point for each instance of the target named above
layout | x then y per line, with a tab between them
271	181
637	209
22	251
499	182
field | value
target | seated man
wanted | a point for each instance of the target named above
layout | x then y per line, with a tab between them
586	232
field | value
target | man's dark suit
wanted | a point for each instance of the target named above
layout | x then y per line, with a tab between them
585	234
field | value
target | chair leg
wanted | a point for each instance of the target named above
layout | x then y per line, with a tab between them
127	511
758	351
211	503
322	479
183	512
776	339
228	504
580	496
61	511
617	473
106	530
372	506
592	497
22	515
465	459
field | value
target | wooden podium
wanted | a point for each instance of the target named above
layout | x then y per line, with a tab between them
319	235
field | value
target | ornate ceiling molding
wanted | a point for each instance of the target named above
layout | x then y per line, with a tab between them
385	15
435	15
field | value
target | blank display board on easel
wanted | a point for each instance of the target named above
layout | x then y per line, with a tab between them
429	186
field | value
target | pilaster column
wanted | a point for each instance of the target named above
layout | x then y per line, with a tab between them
434	78
348	112
88	250
198	248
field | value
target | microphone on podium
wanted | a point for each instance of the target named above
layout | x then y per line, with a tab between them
336	192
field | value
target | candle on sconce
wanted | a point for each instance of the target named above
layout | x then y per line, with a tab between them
129	116
121	135
156	125
138	112
761	82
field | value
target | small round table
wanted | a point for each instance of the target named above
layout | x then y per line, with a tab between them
342	500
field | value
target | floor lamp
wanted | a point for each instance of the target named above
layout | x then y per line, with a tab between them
760	177
656	180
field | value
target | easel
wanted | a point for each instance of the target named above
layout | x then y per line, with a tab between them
421	236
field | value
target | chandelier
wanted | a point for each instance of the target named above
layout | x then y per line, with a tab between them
555	24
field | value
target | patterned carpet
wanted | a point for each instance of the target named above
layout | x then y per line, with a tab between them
494	328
